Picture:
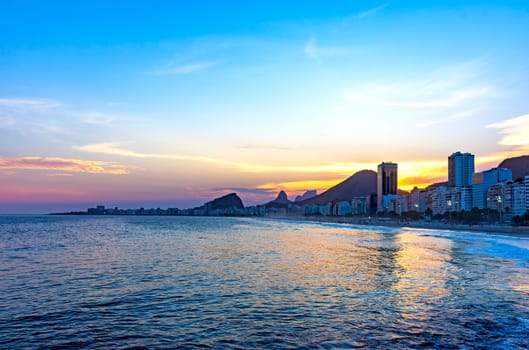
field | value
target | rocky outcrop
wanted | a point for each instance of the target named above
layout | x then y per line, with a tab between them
231	200
308	194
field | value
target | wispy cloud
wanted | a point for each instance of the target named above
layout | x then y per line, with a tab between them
97	118
451	117
28	103
515	131
317	52
256	191
267	147
459	90
185	68
373	11
24	126
63	164
445	99
114	148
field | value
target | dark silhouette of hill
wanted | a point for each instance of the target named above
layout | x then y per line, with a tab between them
281	201
518	165
308	194
362	183
231	200
437	184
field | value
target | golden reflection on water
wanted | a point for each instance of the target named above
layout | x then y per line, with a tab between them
422	271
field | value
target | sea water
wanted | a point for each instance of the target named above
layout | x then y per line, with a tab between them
184	282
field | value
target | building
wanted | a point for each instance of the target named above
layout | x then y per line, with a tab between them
342	208
386	182
418	200
460	169
481	183
459	199
437	199
517	196
360	205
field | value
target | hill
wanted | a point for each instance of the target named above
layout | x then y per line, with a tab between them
518	165
281	201
231	200
362	183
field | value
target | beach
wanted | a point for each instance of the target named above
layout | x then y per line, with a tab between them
509	230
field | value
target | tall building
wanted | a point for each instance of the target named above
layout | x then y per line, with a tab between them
386	182
460	169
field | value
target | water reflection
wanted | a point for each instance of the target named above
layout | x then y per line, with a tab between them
243	283
423	269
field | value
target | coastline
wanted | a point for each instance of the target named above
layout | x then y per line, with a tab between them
504	230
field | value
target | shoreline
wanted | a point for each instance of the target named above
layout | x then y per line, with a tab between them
512	231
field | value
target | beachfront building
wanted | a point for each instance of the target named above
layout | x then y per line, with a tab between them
459	198
395	203
359	205
437	199
483	181
342	208
386	182
460	169
418	200
519	196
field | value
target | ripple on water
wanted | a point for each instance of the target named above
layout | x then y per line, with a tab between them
155	282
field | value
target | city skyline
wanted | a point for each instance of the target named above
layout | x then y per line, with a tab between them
176	104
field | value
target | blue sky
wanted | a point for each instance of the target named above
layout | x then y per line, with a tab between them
173	101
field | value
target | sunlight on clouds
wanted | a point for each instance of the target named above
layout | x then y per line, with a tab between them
319	185
63	164
515	131
113	148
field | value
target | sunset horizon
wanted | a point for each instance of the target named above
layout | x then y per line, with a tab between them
177	104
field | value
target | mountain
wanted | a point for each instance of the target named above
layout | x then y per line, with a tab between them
362	183
231	200
518	165
281	201
306	195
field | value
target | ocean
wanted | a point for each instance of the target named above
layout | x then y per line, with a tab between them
203	282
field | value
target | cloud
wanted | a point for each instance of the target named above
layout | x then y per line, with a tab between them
446	99
114	148
63	164
515	131
316	52
302	185
28	103
186	68
266	147
454	116
97	118
457	86
256	191
373	11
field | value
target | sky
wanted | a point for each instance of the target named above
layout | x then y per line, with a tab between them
174	103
